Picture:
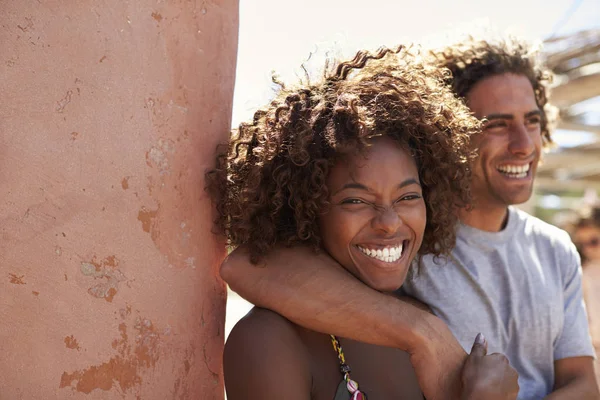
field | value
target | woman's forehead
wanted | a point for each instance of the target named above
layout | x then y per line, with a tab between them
382	157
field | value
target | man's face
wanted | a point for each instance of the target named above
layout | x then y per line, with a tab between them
510	145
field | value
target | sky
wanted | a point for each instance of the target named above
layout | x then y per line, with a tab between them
279	36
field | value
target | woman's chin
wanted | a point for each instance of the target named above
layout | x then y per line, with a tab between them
389	287
385	284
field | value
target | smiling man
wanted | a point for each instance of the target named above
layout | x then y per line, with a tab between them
519	276
511	276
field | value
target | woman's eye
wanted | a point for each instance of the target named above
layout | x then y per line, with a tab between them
409	197
352	201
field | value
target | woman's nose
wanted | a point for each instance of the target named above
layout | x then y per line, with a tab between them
387	220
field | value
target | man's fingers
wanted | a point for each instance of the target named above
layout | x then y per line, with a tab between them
479	346
500	357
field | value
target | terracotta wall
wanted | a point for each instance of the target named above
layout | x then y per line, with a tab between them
109	116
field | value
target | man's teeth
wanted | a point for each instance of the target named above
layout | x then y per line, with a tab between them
514	171
387	254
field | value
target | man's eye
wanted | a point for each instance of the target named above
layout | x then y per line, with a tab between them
492	125
352	201
535	120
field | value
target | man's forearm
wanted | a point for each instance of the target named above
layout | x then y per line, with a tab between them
315	292
574	391
580	389
574	378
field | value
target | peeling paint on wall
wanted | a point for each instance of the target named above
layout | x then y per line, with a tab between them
149	224
16	279
158	155
62	103
123	369
107	271
71	343
157	16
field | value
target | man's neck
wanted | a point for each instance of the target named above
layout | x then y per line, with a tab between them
489	219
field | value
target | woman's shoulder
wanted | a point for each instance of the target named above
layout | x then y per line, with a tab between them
262	324
265	354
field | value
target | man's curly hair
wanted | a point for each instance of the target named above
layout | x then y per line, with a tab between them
474	60
270	182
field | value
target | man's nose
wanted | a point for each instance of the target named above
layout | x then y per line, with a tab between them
522	141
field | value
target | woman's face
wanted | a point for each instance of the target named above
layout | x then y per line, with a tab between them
588	241
374	226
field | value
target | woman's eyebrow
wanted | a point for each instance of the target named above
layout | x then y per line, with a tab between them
353	185
360	186
409	181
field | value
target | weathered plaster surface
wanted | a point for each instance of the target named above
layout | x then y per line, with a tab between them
110	115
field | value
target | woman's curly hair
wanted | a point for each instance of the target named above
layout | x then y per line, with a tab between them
270	182
473	60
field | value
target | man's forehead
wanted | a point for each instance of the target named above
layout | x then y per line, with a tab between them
508	94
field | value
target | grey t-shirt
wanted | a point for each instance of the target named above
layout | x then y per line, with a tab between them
520	287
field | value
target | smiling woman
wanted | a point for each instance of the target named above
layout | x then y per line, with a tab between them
367	165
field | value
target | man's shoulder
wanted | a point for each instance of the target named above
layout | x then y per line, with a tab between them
540	229
553	244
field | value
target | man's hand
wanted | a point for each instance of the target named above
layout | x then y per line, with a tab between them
488	377
438	360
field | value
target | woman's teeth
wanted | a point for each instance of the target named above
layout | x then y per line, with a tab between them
514	171
387	254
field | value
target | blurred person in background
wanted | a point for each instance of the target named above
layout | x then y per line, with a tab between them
586	235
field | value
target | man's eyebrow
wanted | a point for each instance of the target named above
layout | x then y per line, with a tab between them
498	116
533	113
510	116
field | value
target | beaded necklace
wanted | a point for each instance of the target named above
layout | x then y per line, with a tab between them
351	385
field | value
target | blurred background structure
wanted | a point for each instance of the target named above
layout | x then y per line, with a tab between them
570	175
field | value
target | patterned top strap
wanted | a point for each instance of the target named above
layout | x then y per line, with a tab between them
351	385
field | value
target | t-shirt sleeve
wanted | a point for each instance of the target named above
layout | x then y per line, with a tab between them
575	340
